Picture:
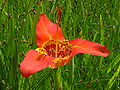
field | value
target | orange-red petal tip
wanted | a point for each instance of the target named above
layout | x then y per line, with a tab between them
34	62
88	47
46	30
42	14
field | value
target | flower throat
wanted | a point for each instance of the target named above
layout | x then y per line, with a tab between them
55	48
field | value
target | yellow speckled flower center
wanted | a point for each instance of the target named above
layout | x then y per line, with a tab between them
55	48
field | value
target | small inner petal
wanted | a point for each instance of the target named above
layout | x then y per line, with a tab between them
41	50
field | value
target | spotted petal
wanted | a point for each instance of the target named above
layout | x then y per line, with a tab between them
46	30
34	62
88	47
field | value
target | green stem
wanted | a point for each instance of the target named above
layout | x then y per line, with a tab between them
57	79
72	75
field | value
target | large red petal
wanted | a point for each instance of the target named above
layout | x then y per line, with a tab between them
46	30
88	47
34	62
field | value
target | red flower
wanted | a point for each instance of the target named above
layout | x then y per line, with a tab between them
54	50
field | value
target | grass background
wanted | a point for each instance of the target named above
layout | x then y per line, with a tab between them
95	20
